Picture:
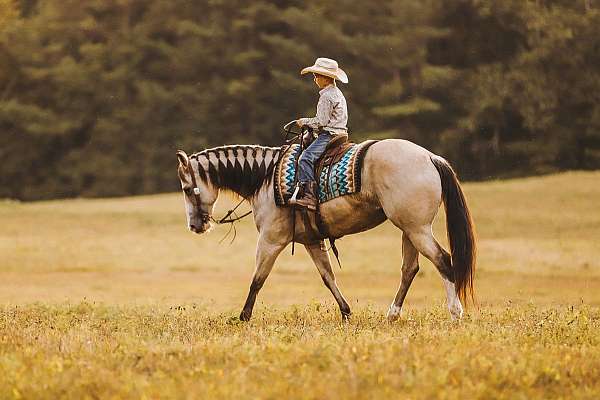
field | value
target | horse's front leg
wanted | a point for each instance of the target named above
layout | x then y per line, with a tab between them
321	259
266	254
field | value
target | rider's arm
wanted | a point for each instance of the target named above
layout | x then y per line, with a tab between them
324	109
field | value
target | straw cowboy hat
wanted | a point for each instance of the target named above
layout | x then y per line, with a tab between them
327	67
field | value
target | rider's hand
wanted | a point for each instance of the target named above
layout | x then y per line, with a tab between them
299	123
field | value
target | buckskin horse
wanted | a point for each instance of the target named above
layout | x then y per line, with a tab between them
400	181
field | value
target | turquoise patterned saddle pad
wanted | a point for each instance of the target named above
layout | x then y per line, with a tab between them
335	180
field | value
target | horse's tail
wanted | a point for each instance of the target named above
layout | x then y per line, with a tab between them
460	230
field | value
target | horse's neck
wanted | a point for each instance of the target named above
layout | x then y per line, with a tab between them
241	169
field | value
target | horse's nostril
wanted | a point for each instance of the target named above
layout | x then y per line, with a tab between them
193	228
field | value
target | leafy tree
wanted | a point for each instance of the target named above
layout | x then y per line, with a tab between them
96	96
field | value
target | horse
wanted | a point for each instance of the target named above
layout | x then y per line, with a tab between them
401	182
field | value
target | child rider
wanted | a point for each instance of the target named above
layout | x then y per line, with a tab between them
331	120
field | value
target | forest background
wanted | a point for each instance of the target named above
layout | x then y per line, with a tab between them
97	95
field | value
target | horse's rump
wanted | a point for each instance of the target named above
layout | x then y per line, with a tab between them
337	176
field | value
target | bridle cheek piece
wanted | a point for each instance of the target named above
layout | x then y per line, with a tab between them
204	216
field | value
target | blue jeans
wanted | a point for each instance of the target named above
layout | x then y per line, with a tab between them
306	164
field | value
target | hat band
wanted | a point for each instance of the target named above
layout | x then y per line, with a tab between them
327	68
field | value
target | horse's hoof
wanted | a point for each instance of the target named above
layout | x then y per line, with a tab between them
456	315
346	315
456	310
245	316
394	313
392	319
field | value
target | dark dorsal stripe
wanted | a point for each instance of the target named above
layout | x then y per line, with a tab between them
241	169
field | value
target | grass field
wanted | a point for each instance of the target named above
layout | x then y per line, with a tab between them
114	298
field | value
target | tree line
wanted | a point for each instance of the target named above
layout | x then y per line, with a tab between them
96	95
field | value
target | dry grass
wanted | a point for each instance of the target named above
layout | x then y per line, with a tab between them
305	352
114	298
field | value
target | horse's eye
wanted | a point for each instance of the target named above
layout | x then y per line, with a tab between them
187	191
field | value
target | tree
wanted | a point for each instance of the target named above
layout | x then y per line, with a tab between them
96	96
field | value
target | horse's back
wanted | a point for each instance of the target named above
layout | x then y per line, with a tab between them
399	152
402	177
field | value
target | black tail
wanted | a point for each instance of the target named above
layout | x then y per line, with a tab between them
460	230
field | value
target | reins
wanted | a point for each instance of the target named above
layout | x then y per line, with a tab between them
224	220
231	221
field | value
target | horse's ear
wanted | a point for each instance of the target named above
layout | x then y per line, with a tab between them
183	158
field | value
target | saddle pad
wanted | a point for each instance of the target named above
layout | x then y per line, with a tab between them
343	179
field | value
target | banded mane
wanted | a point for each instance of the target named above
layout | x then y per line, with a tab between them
240	169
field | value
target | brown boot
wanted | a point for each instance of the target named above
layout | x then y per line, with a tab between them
306	197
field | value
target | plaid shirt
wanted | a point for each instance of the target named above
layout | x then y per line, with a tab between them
332	112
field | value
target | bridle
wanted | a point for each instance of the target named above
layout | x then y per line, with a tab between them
205	215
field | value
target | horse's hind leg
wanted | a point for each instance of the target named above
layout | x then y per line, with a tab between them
426	244
266	254
410	267
321	259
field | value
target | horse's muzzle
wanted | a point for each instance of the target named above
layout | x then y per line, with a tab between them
200	228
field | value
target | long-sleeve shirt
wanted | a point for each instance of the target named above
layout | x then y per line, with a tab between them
332	112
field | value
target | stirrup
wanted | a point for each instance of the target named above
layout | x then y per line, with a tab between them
308	199
294	199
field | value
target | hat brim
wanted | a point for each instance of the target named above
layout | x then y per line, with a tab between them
339	74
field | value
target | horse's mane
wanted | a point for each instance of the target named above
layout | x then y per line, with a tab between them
243	169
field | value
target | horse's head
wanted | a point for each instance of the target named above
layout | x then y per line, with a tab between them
198	193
